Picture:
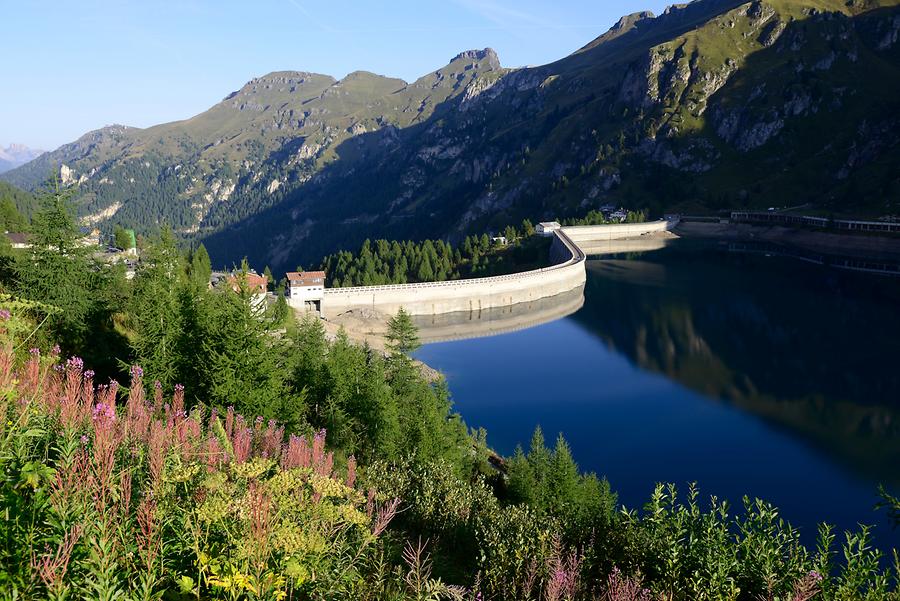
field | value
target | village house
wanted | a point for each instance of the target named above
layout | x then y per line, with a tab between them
257	286
18	240
306	289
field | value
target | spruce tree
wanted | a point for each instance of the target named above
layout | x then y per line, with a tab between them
402	336
201	267
58	271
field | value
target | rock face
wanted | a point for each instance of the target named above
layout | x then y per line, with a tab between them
714	103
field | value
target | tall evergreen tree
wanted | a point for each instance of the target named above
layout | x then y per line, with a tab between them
57	270
201	268
158	309
402	336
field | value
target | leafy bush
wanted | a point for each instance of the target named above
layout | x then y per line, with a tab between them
150	499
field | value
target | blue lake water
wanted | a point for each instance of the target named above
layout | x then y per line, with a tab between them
750	375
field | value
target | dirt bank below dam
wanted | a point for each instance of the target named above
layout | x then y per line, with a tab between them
366	326
854	245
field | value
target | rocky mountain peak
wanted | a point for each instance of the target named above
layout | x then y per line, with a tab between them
487	54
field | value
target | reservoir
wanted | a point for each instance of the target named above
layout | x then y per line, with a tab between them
749	373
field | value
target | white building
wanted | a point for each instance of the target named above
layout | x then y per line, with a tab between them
619	216
306	288
546	228
18	240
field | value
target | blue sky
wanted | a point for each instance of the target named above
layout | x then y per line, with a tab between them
70	67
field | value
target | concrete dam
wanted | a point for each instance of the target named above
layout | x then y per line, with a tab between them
569	249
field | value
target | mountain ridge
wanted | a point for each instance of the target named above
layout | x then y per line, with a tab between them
712	104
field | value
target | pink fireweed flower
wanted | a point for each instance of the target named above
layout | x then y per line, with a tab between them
106	441
178	399
51	569
370	503
241	444
157	397
321	462
102	411
260	509
351	472
564	569
619	588
55	351
229	421
384	515
69	484
5	315
7	366
148	540
34	351
807	587
213	453
271	440
158	446
70	410
296	453
125	500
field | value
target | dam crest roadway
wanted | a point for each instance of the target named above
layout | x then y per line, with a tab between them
477	307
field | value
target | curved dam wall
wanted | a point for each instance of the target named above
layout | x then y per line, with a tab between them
479	294
476	294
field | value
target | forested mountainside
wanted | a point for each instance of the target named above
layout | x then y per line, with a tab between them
713	104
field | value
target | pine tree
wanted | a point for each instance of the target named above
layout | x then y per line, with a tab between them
402	336
58	271
201	267
157	309
564	479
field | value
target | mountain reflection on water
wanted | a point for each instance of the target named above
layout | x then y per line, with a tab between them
748	374
809	349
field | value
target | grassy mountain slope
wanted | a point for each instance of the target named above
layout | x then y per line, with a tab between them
713	104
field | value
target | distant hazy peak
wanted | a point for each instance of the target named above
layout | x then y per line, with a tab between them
16	154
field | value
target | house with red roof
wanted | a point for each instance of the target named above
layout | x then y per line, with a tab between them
306	289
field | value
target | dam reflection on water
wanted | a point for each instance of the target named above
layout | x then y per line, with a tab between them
746	373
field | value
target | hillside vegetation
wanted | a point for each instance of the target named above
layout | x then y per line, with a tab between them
251	457
713	104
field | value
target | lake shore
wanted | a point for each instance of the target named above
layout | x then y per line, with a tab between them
853	245
366	326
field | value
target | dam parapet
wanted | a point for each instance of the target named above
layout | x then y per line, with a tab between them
566	273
